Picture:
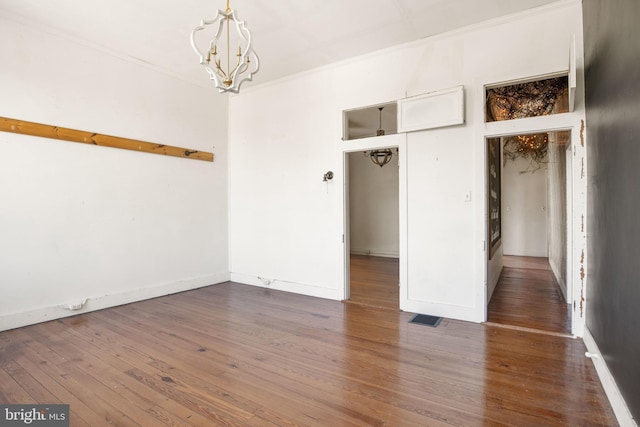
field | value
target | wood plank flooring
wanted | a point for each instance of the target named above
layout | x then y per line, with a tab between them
236	355
528	296
374	281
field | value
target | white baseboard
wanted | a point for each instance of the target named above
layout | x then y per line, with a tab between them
287	286
468	314
625	419
374	252
556	273
494	270
45	314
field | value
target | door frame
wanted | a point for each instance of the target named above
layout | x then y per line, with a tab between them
576	193
570	220
394	141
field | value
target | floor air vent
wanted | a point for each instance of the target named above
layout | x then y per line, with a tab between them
424	319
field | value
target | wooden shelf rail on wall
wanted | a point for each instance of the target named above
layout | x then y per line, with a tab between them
73	135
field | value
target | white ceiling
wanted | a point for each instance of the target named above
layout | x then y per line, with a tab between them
289	35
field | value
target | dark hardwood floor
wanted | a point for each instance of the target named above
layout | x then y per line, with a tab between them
374	281
236	355
528	296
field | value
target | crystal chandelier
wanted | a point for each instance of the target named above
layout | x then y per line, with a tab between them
227	69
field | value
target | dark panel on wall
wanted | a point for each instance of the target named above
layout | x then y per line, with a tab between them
612	74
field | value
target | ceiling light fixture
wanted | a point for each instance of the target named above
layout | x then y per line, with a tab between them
226	75
381	157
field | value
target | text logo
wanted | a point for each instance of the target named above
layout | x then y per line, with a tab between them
34	415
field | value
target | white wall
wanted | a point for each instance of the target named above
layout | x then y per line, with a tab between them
494	268
373	206
558	213
286	225
524	210
85	222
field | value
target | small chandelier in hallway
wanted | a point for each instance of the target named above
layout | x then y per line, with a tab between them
381	157
227	69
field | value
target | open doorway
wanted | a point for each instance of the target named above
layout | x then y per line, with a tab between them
372	218
533	290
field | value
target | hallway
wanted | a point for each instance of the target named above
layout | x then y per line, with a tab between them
374	281
527	296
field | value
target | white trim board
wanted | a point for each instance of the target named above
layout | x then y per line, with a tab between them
375	252
431	110
561	284
458	312
86	305
625	419
287	286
